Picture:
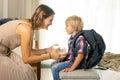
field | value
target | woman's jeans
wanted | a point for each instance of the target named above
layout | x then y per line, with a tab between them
57	67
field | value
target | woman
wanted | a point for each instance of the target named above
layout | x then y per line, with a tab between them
20	33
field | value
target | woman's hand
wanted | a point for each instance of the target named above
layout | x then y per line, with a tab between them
54	54
49	49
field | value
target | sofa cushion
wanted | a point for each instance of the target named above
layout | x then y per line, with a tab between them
89	74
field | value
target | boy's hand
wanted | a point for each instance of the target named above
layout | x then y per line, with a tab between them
62	56
68	69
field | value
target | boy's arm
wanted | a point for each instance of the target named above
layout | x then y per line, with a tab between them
77	61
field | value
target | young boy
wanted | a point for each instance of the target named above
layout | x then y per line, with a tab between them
74	24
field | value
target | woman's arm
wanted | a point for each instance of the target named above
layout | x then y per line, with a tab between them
26	33
38	51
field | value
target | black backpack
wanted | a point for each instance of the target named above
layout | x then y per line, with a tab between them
4	20
96	47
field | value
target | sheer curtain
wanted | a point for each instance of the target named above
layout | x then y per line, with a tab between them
101	15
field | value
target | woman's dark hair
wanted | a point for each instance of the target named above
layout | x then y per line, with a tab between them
41	13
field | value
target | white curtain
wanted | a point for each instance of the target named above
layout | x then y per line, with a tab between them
101	15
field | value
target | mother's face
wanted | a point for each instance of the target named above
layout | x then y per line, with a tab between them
47	22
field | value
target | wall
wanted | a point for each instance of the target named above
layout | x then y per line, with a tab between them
101	15
17	8
1	8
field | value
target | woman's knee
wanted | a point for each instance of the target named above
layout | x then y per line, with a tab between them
4	60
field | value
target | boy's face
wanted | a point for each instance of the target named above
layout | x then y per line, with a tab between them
69	29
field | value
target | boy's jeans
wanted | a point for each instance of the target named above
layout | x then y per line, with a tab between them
57	67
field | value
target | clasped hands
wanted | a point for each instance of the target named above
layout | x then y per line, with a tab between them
54	53
59	57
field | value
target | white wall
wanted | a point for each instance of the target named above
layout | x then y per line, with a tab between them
17	8
101	15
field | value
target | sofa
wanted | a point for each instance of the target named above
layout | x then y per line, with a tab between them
80	74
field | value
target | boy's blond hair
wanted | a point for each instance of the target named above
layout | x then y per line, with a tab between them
75	21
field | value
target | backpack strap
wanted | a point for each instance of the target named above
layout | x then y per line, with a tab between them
74	40
83	33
